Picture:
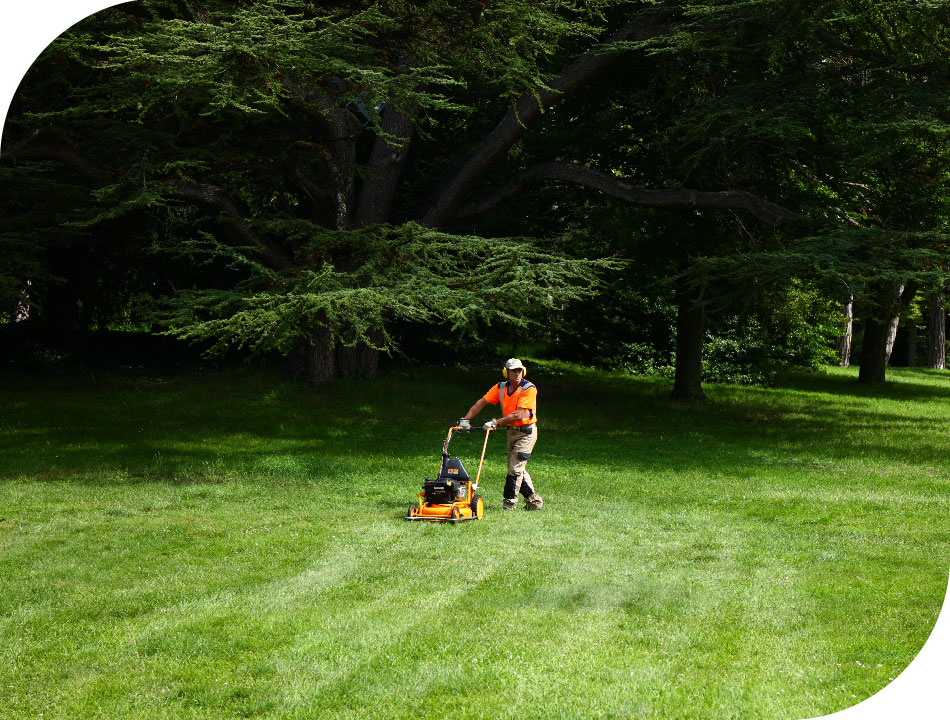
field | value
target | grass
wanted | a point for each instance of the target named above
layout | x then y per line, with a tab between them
226	544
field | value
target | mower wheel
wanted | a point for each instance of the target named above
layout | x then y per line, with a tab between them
478	507
409	513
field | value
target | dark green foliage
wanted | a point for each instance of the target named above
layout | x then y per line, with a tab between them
207	158
755	347
839	263
404	273
185	153
867	84
619	329
791	328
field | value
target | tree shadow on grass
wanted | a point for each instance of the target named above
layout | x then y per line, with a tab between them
902	384
251	424
811	421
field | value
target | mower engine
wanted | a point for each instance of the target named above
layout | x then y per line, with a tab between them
451	485
442	492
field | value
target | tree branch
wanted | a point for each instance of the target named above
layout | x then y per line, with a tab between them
387	162
207	196
875	58
215	198
40	145
837	43
768	212
442	207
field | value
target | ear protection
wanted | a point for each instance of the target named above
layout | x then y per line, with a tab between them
524	372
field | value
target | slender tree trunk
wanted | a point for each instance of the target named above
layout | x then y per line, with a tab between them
937	332
690	326
874	352
911	359
892	326
847	331
21	312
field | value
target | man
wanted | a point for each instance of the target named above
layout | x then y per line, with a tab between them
519	407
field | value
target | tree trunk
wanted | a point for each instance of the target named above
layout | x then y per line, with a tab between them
847	328
937	333
21	313
690	326
315	359
892	326
337	133
879	334
387	162
312	359
359	361
873	352
911	358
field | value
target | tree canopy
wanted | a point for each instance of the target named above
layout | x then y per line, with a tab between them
298	176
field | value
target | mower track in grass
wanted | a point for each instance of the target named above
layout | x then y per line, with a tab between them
227	544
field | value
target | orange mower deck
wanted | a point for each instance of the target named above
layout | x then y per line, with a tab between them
468	505
456	512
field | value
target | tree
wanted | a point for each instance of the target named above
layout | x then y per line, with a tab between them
764	109
937	332
847	331
866	170
285	129
287	147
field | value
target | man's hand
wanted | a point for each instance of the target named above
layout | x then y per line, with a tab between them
465	424
490	425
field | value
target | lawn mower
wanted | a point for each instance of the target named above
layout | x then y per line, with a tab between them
451	495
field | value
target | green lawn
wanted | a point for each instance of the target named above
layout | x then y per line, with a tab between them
226	544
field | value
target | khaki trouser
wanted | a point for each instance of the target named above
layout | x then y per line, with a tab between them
520	445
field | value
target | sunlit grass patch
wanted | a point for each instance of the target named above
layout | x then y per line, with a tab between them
231	545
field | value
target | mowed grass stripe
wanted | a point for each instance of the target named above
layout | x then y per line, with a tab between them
232	545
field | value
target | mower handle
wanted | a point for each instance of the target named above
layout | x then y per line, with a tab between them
448	439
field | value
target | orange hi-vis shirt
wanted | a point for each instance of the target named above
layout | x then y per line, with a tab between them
524	396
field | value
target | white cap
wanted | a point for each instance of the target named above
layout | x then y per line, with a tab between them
514	364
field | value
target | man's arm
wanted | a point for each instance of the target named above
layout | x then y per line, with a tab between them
518	414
